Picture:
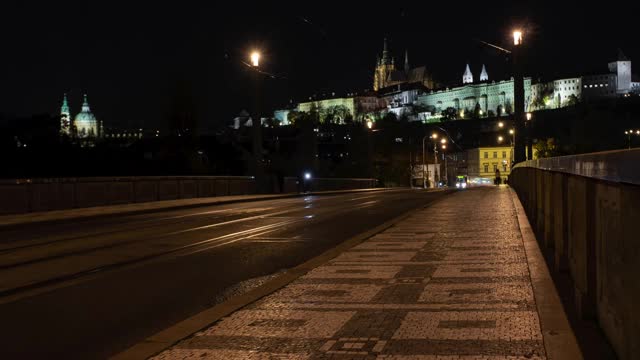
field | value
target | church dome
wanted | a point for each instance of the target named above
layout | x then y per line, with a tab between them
85	122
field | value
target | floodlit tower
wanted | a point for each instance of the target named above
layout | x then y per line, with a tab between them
65	117
467	77
483	75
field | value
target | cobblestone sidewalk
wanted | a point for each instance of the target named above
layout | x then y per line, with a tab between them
450	282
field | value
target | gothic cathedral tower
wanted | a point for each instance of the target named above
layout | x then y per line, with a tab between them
384	67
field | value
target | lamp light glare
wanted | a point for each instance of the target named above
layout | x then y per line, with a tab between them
529	116
517	37
255	58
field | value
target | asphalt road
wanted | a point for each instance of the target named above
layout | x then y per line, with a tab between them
88	289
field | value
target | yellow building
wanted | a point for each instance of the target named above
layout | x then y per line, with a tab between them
483	162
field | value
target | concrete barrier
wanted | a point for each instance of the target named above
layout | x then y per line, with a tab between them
587	208
30	195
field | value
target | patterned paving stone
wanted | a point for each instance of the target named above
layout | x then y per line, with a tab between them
376	256
226	354
326	293
470	326
472	270
390	245
455	293
281	323
451	282
354	272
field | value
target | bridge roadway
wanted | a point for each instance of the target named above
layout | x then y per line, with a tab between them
89	288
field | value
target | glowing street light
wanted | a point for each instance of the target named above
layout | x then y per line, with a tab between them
529	115
434	136
511	132
255	59
369	124
500	138
501	124
517	37
443	141
629	133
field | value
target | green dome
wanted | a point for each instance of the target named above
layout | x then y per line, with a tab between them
85	122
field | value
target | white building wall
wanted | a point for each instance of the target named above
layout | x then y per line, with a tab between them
622	69
496	97
564	89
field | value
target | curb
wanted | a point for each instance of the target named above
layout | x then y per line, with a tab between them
558	337
8	224
166	338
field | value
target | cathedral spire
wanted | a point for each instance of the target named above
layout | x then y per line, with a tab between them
385	53
467	77
406	61
483	75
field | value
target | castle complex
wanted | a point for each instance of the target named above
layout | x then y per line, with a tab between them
413	93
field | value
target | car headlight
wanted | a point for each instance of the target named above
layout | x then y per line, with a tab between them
457	185
464	185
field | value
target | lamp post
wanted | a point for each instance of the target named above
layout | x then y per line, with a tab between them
629	133
446	172
370	148
256	122
513	143
434	137
518	93
528	125
424	179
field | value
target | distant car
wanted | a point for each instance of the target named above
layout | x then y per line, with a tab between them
461	182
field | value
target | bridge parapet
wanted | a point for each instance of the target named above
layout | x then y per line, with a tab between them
45	194
587	209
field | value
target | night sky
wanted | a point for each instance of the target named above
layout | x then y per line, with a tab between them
134	60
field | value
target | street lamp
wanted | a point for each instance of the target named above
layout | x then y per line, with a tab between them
513	143
433	137
517	37
369	124
255	59
629	133
257	123
500	138
528	138
446	173
500	124
518	93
